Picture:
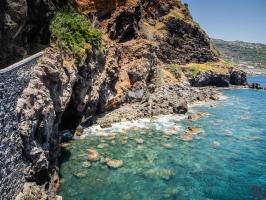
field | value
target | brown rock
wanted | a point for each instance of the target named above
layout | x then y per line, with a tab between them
114	163
93	155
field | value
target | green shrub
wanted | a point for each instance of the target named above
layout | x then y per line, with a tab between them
195	70
175	70
73	32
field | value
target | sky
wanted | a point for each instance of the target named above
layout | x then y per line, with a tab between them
231	20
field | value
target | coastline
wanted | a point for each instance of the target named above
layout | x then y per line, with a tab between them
108	122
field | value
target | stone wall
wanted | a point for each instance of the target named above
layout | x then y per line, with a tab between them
13	80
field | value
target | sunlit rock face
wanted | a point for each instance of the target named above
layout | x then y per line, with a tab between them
102	7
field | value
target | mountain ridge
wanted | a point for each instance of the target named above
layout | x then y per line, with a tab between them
244	54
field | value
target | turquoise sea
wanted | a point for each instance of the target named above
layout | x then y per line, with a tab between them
227	161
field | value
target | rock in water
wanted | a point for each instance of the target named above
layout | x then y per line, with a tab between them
139	140
66	136
189	133
238	78
167	146
216	144
256	86
210	79
196	116
114	163
93	155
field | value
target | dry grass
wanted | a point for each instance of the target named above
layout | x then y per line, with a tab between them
220	67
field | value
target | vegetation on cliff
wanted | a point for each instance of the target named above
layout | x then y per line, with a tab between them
74	32
219	67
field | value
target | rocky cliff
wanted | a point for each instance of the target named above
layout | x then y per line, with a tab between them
23	28
140	39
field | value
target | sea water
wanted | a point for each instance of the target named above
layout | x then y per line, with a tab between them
226	161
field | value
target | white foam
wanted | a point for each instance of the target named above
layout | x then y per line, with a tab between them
164	123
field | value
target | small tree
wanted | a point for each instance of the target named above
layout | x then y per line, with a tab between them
186	5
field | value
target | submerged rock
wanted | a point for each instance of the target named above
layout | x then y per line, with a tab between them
196	116
86	164
123	142
114	163
79	174
194	130
102	145
189	133
93	155
186	136
216	144
162	173
103	160
167	146
139	140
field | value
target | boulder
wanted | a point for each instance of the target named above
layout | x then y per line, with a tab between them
105	124
210	79
93	155
182	108
196	116
256	86
114	163
190	133
238	77
139	140
135	94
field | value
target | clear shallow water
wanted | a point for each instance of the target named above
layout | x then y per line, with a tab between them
225	162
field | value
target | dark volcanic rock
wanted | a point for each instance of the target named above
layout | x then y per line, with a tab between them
185	43
124	26
256	86
210	79
182	108
238	77
23	28
66	136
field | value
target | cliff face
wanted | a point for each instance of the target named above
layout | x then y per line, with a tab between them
23	28
140	38
168	25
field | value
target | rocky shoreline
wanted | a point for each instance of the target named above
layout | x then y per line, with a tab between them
165	100
135	73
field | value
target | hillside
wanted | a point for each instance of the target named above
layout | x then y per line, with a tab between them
123	59
243	53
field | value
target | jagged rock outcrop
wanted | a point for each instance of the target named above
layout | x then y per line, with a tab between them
233	77
101	8
256	86
210	79
163	100
238	77
168	25
39	110
23	28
